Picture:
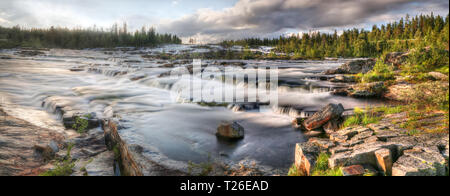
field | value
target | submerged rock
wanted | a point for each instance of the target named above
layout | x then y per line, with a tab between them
343	79
328	113
230	130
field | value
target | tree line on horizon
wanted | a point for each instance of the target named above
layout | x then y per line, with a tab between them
399	36
79	38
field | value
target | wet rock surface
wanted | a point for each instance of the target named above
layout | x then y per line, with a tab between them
25	148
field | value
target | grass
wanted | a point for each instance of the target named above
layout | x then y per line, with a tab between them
362	118
64	167
322	169
390	110
293	171
206	167
81	123
212	104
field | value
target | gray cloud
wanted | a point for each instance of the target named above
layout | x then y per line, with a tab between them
271	17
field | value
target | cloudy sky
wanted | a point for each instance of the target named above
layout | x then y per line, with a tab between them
215	20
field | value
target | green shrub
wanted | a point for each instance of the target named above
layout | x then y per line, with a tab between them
81	123
380	73
362	118
64	167
321	168
431	96
427	59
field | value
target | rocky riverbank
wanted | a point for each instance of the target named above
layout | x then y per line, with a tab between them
409	139
382	148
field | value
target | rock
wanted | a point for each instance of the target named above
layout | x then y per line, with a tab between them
30	53
76	69
384	161
47	151
362	154
369	90
438	76
230	130
306	156
338	138
354	170
350	132
399	92
445	152
135	78
362	135
417	162
343	79
353	67
396	58
340	92
323	143
340	149
330	112
332	126
128	164
101	165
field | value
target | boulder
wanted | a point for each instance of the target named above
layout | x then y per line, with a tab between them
230	130
438	76
306	156
399	92
353	170
330	112
418	162
362	154
384	160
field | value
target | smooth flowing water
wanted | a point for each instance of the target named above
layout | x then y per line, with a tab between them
136	91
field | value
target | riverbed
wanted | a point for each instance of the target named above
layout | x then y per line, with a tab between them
137	92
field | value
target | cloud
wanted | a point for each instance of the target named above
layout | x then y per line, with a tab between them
249	18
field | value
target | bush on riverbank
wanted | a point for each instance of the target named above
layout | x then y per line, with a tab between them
63	167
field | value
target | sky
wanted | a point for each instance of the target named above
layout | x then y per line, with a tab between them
210	21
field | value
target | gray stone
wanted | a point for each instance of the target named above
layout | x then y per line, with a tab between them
408	165
306	156
364	134
338	137
323	143
362	154
353	170
230	130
